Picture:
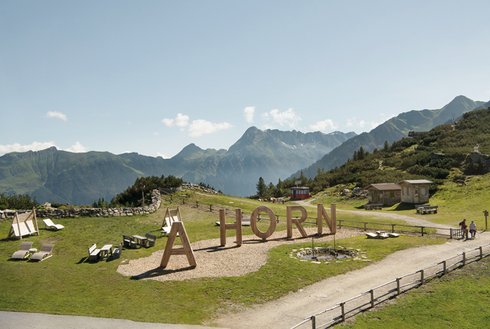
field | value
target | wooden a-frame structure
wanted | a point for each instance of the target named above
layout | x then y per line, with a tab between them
24	224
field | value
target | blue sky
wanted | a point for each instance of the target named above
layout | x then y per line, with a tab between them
153	76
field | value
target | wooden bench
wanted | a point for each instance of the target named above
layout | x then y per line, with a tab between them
93	253
373	206
427	209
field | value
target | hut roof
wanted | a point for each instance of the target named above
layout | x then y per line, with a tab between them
385	187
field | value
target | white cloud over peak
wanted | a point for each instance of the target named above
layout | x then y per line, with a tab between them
287	118
201	127
324	126
181	120
249	113
77	148
57	115
16	147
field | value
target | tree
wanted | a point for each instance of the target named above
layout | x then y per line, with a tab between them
261	188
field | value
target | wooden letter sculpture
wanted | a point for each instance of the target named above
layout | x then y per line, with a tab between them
331	221
237	226
178	228
272	222
295	221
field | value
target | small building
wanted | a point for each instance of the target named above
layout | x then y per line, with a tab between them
300	192
386	194
415	191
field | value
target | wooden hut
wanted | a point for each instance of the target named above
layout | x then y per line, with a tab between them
385	194
300	192
415	191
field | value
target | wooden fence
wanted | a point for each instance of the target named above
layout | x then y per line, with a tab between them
377	295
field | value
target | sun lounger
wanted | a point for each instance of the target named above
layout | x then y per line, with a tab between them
393	235
23	252
45	252
371	235
52	226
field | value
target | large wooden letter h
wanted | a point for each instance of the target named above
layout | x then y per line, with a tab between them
178	228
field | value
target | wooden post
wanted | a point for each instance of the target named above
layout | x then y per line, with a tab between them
481	252
450	233
178	228
398	286
313	322
365	226
342	308
422	230
340	223
464	258
197	204
393	228
421	277
444	267
210	208
485	213
371	292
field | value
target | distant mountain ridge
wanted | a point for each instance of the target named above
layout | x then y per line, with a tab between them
81	178
391	131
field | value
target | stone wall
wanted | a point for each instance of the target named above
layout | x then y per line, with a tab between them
97	212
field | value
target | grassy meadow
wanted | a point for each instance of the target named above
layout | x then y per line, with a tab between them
65	284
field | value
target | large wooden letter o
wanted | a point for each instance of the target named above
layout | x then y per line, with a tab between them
272	222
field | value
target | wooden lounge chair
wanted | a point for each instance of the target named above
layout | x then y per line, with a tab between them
93	253
45	252
371	235
150	240
52	226
23	252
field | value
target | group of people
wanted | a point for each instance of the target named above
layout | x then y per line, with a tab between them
464	229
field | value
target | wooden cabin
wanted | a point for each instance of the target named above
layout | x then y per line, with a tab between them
386	194
415	191
300	192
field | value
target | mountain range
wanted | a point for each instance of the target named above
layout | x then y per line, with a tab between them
81	178
392	130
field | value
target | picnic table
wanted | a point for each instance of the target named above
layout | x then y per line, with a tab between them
140	240
105	251
426	209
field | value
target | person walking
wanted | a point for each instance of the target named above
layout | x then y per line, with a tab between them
473	229
464	229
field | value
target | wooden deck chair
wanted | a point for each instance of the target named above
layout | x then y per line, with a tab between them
23	252
171	216
24	224
52	226
45	252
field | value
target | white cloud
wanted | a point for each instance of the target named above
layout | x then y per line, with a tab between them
77	148
57	115
200	127
287	118
324	126
34	146
181	120
249	113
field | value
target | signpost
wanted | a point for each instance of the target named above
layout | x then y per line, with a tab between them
485	213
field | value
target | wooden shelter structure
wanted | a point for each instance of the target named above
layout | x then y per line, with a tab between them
415	191
385	194
24	224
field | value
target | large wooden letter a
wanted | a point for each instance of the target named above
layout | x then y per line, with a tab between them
178	228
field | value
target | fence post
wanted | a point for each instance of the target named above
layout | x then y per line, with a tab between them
422	230
313	322
450	233
372	297
421	277
397	286
340	223
342	308
197	204
393	228
444	267
210	208
464	258
481	252
365	226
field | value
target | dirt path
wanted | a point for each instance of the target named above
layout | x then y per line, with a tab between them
295	307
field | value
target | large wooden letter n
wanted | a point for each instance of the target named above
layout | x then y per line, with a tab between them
331	221
178	228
